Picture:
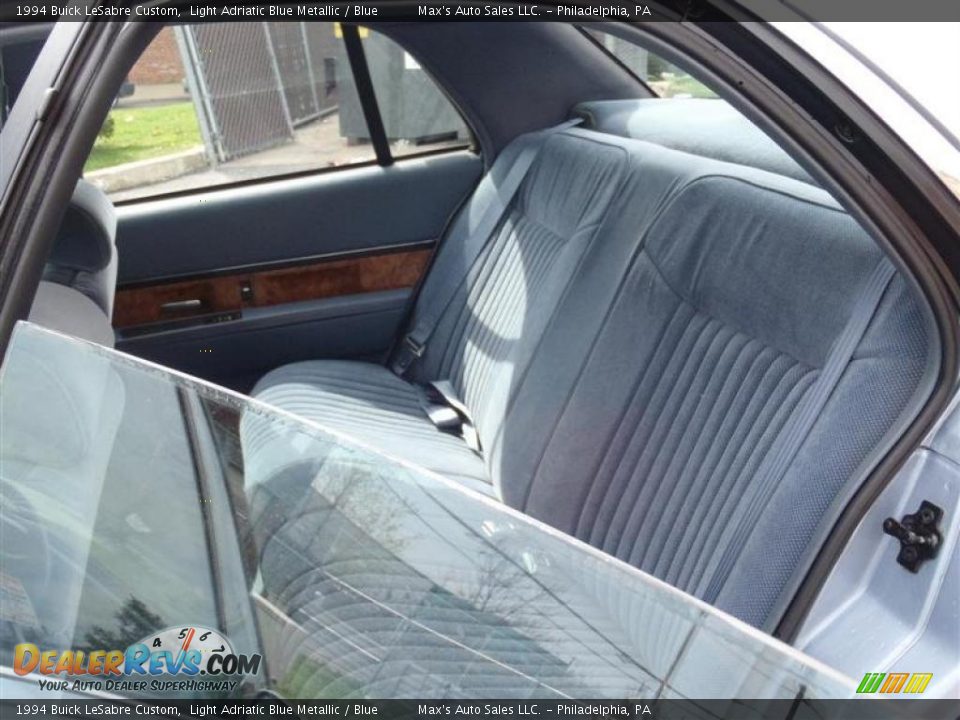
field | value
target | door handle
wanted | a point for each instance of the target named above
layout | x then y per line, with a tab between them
181	305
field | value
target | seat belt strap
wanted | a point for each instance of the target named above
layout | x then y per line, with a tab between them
787	445
448	413
414	343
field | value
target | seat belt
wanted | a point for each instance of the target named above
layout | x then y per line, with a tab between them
788	444
446	410
414	343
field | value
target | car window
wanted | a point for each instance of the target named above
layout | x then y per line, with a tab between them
416	114
215	103
664	78
146	514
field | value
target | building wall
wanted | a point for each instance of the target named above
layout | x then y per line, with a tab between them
160	62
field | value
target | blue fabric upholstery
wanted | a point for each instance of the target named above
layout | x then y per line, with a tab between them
68	311
657	422
492	326
638	333
708	127
370	404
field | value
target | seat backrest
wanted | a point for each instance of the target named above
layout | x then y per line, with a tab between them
84	255
705	127
493	323
679	357
641	334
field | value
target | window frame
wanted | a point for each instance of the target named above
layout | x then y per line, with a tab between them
591	34
370	107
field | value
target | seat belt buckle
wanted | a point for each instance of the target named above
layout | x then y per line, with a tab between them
443	417
409	351
444	395
413	347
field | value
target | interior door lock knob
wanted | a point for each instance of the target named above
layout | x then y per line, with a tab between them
919	535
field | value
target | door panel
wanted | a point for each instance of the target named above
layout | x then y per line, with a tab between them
296	219
231	283
223	297
238	353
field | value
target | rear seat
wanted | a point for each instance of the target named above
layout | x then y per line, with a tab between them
642	345
493	323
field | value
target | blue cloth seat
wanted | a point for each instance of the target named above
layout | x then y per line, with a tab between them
637	338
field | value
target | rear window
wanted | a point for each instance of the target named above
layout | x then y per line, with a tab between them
663	77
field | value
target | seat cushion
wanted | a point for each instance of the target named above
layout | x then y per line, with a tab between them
490	328
372	405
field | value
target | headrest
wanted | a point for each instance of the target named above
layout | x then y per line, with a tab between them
87	234
701	126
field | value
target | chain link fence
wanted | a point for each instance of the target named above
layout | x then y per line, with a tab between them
254	83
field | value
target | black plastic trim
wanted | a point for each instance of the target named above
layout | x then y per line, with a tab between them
368	97
601	28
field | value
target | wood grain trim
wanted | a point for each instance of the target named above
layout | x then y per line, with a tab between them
232	293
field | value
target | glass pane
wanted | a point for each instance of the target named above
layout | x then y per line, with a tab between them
417	116
664	78
144	507
216	103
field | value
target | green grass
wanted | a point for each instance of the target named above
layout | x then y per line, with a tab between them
146	132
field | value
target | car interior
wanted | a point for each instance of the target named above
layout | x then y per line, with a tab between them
635	318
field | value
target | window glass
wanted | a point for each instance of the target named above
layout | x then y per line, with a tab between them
664	78
138	505
217	103
417	116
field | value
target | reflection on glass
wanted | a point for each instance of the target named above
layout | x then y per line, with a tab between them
135	500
